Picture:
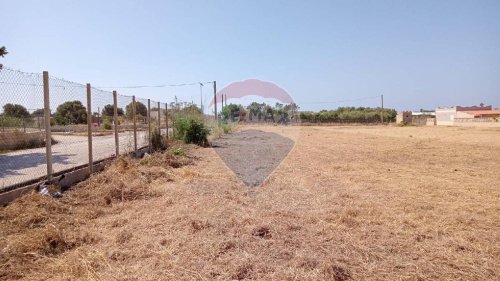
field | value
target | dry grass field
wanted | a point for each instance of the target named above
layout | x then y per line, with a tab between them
347	203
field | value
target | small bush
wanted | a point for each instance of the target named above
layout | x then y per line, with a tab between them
107	126
226	128
33	143
178	152
158	142
222	129
191	130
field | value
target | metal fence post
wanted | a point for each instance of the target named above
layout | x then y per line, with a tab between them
166	117
89	127
135	126
48	133
115	120
149	125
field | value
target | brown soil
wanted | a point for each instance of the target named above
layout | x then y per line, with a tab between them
253	154
360	203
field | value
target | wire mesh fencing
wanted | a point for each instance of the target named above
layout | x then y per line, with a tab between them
22	130
125	124
86	125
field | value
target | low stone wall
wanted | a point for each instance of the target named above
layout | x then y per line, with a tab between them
15	140
477	122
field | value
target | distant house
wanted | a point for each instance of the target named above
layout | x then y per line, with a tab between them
466	115
420	118
493	113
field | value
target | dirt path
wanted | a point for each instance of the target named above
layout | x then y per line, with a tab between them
253	154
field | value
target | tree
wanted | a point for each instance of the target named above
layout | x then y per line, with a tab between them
15	110
192	109
109	110
38	112
71	112
140	109
268	113
3	52
230	111
255	109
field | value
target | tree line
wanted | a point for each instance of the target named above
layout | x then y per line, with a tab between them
72	112
349	115
261	112
284	113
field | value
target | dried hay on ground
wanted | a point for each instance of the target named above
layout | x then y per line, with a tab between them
38	231
346	204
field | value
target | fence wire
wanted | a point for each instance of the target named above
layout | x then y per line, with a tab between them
125	124
22	130
22	125
68	106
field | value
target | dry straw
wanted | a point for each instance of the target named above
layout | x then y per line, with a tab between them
350	203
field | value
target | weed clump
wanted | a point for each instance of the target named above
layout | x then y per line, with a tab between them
191	129
158	142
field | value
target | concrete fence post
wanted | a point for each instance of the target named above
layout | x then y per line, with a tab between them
149	125
166	117
89	127
115	120
48	133
135	125
159	118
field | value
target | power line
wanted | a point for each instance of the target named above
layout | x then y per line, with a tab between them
154	86
341	101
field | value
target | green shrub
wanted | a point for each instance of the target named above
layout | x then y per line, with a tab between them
191	129
8	121
107	125
178	151
33	143
226	127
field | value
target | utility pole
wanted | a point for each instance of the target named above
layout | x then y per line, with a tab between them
382	113
215	100
201	98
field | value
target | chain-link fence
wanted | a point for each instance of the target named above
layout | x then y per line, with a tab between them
22	129
86	125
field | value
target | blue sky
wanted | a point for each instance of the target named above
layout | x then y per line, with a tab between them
419	54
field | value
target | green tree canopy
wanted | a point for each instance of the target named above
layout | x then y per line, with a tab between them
3	52
109	110
230	110
191	109
38	112
71	112
15	110
350	115
256	110
140	109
